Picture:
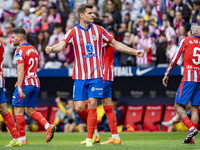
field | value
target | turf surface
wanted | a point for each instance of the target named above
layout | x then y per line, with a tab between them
130	141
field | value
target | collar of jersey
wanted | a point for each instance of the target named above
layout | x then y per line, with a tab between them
196	36
79	26
25	44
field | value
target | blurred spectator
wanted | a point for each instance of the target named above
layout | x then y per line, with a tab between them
169	31
178	21
127	20
138	24
44	9
92	2
112	8
148	14
126	59
179	6
117	5
109	22
171	49
41	49
19	14
161	50
56	60
41	3
96	9
182	32
69	51
196	7
8	47
28	22
54	16
144	4
44	25
65	118
153	27
144	43
127	9
121	31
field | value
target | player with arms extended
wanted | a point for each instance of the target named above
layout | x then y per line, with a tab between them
87	40
27	86
9	121
189	89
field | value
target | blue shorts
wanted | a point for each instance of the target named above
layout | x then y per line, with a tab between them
2	96
188	91
30	100
84	89
107	90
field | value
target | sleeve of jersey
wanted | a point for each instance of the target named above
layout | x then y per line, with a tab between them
175	57
19	56
68	37
107	37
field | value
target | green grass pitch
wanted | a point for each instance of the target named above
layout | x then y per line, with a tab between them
130	141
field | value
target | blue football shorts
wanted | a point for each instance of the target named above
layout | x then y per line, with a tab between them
188	91
84	89
2	96
107	90
30	100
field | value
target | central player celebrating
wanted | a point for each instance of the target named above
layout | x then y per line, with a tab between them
87	40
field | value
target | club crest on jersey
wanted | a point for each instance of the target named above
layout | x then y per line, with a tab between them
94	37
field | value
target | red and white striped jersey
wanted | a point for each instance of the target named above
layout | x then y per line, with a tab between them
2	81
28	55
108	59
146	59
189	46
87	46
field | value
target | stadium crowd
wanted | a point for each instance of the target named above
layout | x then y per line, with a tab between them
155	26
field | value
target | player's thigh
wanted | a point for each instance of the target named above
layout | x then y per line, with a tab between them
107	89
195	100
33	97
22	102
95	88
185	92
80	90
2	96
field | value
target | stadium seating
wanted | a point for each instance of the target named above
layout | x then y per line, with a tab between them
122	108
52	113
44	110
152	117
169	113
134	116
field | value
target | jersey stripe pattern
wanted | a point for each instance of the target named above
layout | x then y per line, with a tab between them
28	55
189	46
108	59
87	45
2	81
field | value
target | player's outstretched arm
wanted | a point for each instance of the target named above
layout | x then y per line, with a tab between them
57	48
125	49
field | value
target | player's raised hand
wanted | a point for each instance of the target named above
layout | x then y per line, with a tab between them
165	80
48	49
140	53
21	94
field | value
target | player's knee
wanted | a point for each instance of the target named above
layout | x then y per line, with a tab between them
28	112
79	109
92	105
3	110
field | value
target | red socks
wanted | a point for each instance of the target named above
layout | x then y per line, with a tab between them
39	118
112	120
9	121
91	122
195	125
83	115
187	122
20	125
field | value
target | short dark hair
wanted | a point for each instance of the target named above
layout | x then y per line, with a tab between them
83	7
19	30
98	21
145	29
58	25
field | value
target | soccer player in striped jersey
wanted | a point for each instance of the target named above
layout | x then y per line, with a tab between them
9	121
27	86
87	40
189	88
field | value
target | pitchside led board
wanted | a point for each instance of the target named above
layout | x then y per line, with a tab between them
135	82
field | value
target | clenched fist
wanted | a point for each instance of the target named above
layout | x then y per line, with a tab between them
140	53
48	49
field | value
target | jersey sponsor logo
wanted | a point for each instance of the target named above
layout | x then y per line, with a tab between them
90	50
96	89
142	72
